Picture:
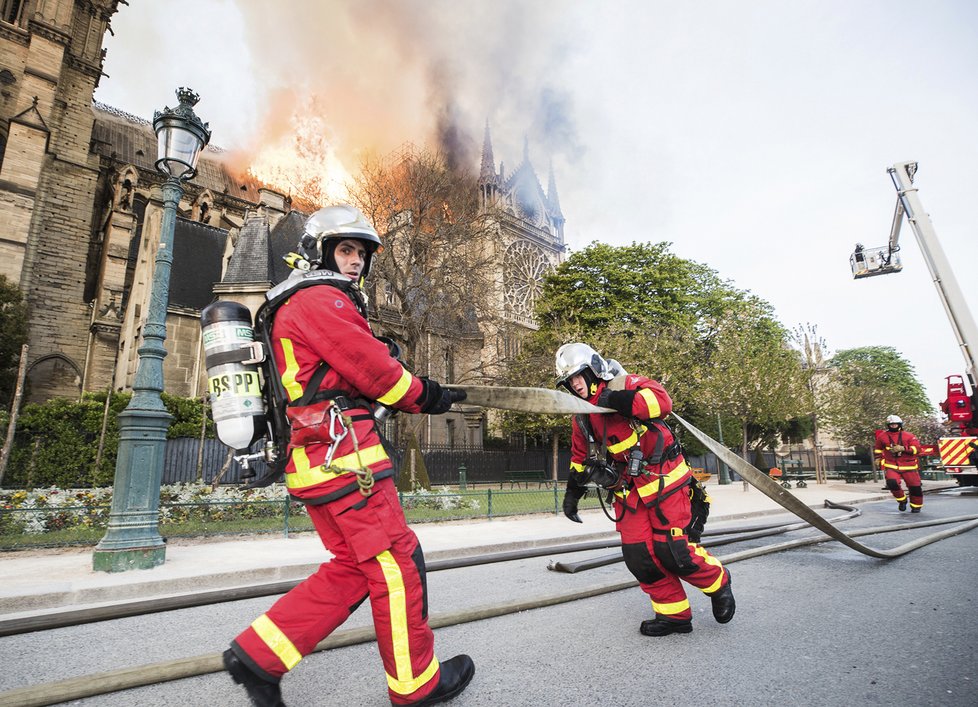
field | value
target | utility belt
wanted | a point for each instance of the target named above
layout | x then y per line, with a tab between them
320	420
667	454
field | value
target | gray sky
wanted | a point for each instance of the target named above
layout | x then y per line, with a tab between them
752	135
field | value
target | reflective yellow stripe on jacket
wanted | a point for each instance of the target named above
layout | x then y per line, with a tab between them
398	391
628	443
306	475
655	410
292	387
651	489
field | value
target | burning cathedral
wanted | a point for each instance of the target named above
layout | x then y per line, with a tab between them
81	204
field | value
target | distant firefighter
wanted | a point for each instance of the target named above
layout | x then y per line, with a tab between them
896	453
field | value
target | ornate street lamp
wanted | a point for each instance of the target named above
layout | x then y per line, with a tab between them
133	538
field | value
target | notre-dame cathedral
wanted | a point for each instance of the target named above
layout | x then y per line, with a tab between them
81	209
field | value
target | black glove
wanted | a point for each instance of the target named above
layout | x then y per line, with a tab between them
618	400
435	400
570	508
572	495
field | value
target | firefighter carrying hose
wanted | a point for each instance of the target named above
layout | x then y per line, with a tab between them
896	453
333	373
659	507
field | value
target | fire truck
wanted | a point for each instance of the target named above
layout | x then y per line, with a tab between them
959	452
959	449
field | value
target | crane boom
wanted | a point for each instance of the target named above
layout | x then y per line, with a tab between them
938	265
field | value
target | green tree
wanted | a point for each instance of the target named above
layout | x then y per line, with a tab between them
813	353
753	375
13	325
640	284
870	383
657	314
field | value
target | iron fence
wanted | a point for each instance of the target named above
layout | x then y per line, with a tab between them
59	526
180	462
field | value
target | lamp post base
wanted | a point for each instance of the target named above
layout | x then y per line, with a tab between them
133	558
132	540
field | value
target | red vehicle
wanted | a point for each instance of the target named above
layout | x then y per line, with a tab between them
959	450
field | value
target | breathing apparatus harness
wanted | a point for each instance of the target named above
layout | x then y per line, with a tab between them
317	415
612	475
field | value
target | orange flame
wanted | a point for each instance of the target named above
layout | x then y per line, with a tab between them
300	160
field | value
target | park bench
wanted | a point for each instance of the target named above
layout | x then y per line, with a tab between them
853	471
799	477
526	476
853	476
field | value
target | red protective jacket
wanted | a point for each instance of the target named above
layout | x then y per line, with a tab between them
906	460
618	436
319	324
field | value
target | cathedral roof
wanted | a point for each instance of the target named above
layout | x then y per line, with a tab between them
198	254
129	139
283	240
251	260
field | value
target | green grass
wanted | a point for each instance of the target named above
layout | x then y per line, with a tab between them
417	509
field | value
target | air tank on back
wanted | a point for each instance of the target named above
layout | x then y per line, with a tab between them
234	385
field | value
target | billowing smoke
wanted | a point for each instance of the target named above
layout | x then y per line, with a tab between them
381	73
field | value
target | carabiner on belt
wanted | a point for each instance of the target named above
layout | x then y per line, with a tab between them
335	421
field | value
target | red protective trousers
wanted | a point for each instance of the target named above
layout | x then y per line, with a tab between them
912	481
375	553
668	548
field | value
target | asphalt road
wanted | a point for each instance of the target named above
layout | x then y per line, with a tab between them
821	625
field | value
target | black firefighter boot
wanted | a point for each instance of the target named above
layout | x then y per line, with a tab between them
261	692
724	604
661	626
902	505
455	675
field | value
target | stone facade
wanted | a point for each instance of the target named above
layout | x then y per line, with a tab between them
81	210
52	59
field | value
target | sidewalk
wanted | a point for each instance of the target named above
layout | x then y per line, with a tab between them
37	582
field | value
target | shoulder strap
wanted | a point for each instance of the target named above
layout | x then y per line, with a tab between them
584	424
313	386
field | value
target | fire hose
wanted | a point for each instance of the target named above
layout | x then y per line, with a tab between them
127	678
178	669
770	488
762	532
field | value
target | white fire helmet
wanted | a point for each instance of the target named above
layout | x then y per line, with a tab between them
574	358
331	224
894	420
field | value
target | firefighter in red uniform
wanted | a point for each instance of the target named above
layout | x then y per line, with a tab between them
896	453
633	453
343	474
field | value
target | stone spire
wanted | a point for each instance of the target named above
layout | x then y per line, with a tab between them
552	193
488	171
